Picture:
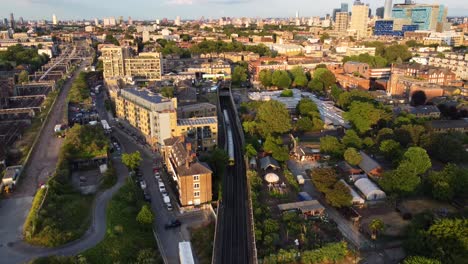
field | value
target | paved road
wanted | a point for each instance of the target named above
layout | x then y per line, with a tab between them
346	227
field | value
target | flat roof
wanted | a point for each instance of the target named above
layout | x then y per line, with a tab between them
145	94
304	206
198	121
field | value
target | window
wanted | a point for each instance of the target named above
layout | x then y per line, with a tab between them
196	194
196	186
196	177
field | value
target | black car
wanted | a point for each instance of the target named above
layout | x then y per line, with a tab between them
173	224
147	197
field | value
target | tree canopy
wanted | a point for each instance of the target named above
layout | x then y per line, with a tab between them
132	160
265	77
273	118
363	116
352	156
281	79
145	216
239	75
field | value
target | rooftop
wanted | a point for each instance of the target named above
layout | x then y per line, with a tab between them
145	94
198	121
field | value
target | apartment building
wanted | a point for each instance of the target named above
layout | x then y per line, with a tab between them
194	179
458	63
119	62
430	74
213	67
359	19
341	22
355	51
156	118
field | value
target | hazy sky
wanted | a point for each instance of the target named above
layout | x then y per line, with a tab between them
152	9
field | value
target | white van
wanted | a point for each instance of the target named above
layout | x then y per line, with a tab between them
300	179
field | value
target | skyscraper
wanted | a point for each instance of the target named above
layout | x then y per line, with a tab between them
21	21
359	19
96	22
177	21
388	9
344	7
54	19
408	2
379	12
12	21
342	21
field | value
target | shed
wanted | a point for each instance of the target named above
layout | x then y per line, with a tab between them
346	168
369	165
369	189
269	162
312	207
355	177
357	199
253	163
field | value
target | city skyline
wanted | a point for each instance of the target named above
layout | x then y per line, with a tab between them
188	9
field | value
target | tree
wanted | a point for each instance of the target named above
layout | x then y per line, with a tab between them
131	160
287	93
376	226
331	145
111	40
409	134
316	86
250	127
23	77
306	106
417	160
273	117
352	139
447	147
239	75
281	79
384	134
352	156
418	98
339	196
393	52
265	78
324	178
300	79
250	151
391	149
346	98
400	181
364	116
419	259
305	124
326	77
145	216
449	239
451	182
336	92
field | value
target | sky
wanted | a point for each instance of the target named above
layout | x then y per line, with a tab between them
189	9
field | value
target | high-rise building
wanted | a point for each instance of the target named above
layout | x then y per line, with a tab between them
21	21
177	21
426	16
387	9
12	21
342	21
130	20
121	20
96	22
54	19
5	22
109	22
380	12
344	7
335	10
408	2
359	19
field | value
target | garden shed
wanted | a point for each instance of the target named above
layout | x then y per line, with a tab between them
269	163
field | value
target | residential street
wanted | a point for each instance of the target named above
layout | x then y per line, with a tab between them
346	227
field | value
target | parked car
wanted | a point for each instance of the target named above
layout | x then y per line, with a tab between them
166	199
169	207
300	179
147	197
173	224
162	188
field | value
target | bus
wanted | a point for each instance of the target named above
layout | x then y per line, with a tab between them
106	127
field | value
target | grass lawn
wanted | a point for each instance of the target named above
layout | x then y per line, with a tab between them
202	241
125	238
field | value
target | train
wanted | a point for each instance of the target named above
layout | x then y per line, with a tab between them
230	138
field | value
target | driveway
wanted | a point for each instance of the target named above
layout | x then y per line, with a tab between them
346	227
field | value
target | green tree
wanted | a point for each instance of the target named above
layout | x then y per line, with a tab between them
325	76
395	52
250	151
305	124
376	226
449	239
265	78
239	75
336	92
409	134
316	86
364	116
391	149
306	106
287	93
352	156
300	79
324	178
281	79
250	127
273	117
451	182
23	77
346	98
339	196
352	139
401	181
417	160
111	40
132	160
331	145
145	216
167	91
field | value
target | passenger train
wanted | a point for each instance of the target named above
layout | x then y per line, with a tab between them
230	139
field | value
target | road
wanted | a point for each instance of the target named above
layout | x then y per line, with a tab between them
346	227
167	239
43	160
233	240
